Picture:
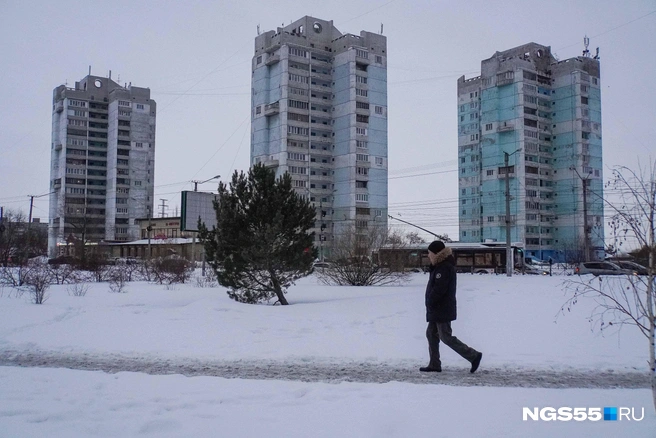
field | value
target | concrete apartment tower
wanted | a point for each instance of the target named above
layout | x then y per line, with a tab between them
102	161
319	112
545	115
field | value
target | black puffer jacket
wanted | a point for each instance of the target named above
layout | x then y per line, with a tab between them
441	289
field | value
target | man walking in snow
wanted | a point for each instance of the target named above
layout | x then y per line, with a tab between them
441	309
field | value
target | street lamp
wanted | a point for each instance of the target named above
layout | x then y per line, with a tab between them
509	255
196	182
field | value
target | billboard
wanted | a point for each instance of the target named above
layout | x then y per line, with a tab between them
197	205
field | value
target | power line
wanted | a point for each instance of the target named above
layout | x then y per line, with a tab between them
614	28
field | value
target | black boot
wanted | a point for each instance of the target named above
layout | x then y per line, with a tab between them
476	362
431	369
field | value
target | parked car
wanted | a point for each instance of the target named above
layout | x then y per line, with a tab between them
600	268
321	265
631	266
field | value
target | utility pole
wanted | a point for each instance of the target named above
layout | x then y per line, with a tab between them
2	226
586	231
323	227
509	255
29	221
149	229
586	239
510	265
163	214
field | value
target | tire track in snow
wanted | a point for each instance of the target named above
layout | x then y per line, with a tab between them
329	372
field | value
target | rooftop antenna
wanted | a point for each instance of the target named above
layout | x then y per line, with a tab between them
381	28
89	70
597	54
586	43
258	29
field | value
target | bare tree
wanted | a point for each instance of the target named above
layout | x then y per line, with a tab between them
352	263
78	289
20	240
629	300
572	250
63	273
171	270
414	238
118	278
38	279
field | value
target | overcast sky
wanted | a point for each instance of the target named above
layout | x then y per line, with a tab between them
195	56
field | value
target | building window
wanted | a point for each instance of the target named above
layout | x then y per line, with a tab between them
137	183
361	53
297	130
361	131
362	197
361	157
298	170
124	103
361	92
362	105
259	59
296	156
298	78
379	59
361	144
362	171
490	172
258	109
298	117
140	106
379	161
298	104
360	79
488	126
584	100
297	52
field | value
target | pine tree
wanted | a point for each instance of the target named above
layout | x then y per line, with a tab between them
261	244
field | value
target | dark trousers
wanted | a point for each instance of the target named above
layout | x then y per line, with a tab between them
441	331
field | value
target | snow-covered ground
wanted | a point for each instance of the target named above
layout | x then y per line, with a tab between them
515	322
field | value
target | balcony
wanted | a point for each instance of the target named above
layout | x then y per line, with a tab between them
504	81
271	109
272	59
270	163
321	99
59	107
505	127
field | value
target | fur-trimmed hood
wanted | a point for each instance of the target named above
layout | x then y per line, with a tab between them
443	255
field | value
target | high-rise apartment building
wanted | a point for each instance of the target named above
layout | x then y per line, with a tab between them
543	117
102	161
319	112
